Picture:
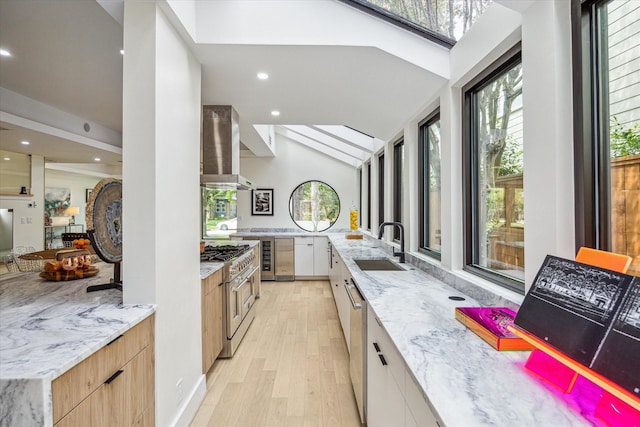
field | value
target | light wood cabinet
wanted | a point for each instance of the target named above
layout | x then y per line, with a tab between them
212	339
393	397
114	386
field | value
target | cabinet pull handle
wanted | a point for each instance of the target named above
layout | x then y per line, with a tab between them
115	339
377	347
114	376
384	362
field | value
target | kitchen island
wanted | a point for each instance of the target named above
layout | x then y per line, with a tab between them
464	381
47	328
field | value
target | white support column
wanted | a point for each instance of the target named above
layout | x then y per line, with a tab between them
548	134
161	200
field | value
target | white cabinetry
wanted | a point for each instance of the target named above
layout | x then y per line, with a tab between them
344	305
304	256
320	256
337	275
311	257
393	398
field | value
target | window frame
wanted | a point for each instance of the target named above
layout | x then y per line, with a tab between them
423	173
591	141
469	176
398	169
360	176
368	166
380	189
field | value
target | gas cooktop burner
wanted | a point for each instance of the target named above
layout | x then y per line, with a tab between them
222	253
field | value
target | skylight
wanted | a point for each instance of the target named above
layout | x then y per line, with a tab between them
443	21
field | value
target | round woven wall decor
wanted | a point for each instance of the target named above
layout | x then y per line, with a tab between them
104	216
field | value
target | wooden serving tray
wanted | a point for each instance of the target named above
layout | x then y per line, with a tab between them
64	275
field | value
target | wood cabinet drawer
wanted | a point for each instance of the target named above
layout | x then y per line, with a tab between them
212	340
124	401
210	283
75	385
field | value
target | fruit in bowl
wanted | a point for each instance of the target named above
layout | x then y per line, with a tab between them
81	243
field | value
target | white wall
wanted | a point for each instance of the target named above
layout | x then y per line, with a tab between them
31	232
161	139
294	164
78	184
548	134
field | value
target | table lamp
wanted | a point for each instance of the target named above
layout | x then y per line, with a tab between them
72	210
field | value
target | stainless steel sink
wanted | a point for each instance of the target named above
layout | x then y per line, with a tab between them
381	264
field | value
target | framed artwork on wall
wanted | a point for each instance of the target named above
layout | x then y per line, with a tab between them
88	194
56	201
262	201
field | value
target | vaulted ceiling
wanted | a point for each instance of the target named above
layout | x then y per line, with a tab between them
66	54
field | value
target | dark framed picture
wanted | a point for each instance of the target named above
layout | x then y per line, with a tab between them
88	194
262	201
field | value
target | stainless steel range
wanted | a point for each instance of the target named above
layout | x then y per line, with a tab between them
240	291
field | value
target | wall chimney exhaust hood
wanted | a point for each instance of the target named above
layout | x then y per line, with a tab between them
221	149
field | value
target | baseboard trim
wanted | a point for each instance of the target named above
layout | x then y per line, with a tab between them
191	405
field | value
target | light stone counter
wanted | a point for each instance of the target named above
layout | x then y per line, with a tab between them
46	328
207	268
466	382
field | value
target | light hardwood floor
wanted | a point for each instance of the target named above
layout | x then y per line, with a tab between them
291	369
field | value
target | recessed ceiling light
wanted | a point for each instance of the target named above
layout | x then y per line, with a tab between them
7	158
275	113
25	142
4	52
97	159
121	51
263	76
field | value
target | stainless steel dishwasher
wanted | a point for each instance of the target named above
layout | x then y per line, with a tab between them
358	342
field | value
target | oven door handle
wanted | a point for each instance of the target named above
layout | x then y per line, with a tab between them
244	281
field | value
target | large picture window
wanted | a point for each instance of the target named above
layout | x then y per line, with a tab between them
398	197
493	167
429	185
607	131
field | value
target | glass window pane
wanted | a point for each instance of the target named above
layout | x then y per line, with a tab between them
314	206
433	138
499	227
622	96
450	18
219	212
429	185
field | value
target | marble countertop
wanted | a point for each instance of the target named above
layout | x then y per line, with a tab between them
466	382
207	268
48	327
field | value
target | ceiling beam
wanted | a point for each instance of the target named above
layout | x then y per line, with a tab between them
328	140
330	152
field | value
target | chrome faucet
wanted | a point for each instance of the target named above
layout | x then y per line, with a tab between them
399	225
